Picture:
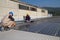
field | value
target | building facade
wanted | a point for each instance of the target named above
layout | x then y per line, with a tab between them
21	9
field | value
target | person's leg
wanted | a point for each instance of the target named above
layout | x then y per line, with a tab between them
12	25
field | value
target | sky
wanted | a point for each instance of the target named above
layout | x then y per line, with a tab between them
43	3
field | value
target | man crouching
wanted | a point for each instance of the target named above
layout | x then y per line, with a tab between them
8	22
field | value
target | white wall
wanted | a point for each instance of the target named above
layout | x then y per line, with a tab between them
6	6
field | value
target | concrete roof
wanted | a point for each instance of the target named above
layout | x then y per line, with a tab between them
22	35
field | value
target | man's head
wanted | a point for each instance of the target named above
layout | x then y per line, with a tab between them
11	13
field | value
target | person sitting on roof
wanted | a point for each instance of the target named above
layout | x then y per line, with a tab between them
28	18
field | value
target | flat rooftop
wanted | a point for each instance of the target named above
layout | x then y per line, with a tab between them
46	26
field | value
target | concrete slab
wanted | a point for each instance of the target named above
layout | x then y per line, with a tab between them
22	35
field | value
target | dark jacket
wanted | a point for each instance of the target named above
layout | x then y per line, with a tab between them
28	18
11	18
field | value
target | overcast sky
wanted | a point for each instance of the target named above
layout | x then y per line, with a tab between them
43	3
